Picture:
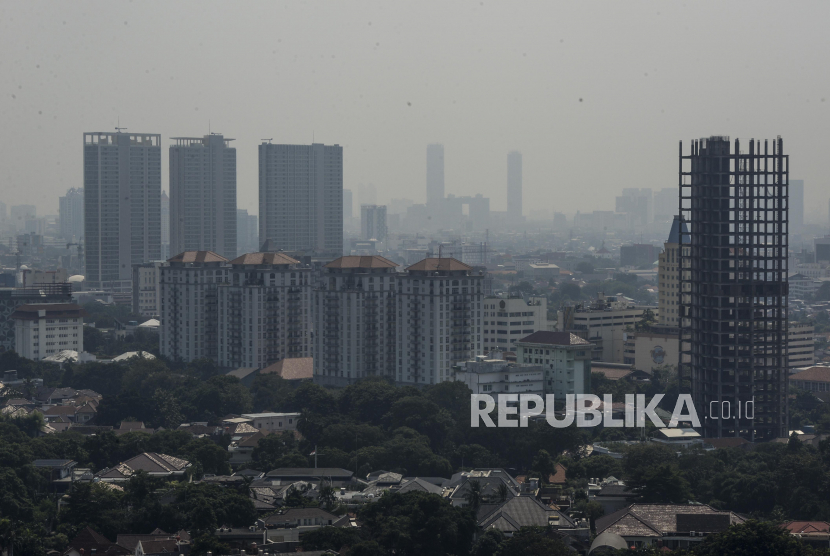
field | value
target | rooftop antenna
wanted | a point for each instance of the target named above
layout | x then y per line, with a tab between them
118	127
269	140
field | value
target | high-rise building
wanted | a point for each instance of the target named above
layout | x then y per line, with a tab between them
188	286
665	204
301	197
565	359
796	206
435	173
203	195
45	329
514	187
638	205
12	298
247	232
439	319
733	319
147	289
668	277
373	222
71	208
509	319
263	311
20	214
354	314
122	206
165	226
348	204
411	326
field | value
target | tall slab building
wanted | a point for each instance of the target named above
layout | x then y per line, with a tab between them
301	198
122	206
203	195
514	186
71	207
733	284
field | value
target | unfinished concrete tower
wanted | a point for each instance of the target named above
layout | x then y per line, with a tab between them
733	279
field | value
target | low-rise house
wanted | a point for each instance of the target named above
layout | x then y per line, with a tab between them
526	511
679	437
814	533
612	497
59	468
241	448
336	476
273	422
155	464
88	542
666	525
293	368
812	379
303	518
131	542
132	426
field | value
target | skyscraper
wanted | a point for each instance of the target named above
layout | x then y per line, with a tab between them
733	284
514	186
203	195
348	204
301	197
122	206
668	276
796	205
435	173
373	222
71	209
165	226
247	232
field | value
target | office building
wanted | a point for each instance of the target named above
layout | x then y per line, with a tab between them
188	286
203	195
564	357
821	247
348	204
301	198
12	298
147	289
796	206
603	323
19	215
354	314
514	187
497	376
509	319
122	206
665	204
439	319
71	208
734	325
373	222
668	278
801	345
44	329
165	226
435	173
263	311
247	232
638	205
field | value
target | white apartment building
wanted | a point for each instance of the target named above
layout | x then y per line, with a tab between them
147	289
668	275
273	422
301	197
509	319
41	330
354	313
801	346
565	358
373	222
122	206
263	311
188	286
496	376
439	318
203	195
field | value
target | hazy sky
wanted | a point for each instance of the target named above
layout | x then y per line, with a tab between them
595	95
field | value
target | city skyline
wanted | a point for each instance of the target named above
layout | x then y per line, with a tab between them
634	99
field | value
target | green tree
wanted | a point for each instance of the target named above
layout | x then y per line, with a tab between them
755	538
330	538
473	495
534	541
544	465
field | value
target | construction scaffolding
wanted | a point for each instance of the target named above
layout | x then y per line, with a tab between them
733	284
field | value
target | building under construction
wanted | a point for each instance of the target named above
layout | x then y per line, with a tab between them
733	281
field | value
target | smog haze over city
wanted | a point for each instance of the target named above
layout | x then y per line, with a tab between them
595	95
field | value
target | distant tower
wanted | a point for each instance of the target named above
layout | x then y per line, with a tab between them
435	173
71	207
733	284
514	186
348	204
373	222
796	206
165	226
122	206
203	195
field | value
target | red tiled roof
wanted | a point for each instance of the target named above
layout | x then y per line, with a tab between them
296	368
354	261
807	527
559	477
813	374
444	263
264	259
198	257
554	338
